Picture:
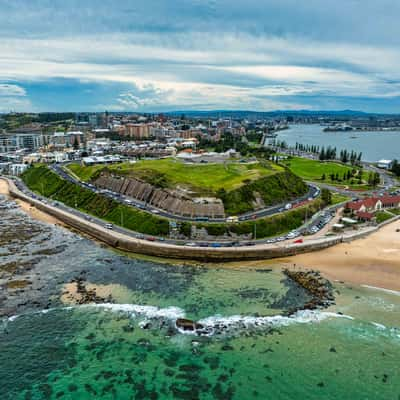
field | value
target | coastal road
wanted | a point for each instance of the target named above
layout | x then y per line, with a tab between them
127	240
314	220
313	192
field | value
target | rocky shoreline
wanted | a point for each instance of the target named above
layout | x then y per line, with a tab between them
83	295
316	285
319	288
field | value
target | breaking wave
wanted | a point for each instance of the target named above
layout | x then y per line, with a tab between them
213	325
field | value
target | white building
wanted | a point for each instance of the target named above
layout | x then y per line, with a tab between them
109	159
17	169
385	164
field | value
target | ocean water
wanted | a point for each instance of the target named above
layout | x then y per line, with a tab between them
129	348
374	145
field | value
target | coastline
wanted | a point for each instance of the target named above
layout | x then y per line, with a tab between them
32	211
371	261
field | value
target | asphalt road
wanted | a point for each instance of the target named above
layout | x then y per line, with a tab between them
313	193
316	219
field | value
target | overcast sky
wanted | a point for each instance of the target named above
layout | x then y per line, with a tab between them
158	55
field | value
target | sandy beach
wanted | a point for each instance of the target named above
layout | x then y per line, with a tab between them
29	209
373	261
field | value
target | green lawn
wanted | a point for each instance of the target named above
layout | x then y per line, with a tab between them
40	178
313	170
395	211
339	198
85	173
382	216
170	172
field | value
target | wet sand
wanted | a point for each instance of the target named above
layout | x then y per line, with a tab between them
373	261
71	296
33	212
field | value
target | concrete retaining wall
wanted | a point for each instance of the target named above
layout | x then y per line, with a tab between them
127	243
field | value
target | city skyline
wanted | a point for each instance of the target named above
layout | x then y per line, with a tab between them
199	55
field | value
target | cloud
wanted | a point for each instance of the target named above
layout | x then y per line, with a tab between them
200	53
10	90
13	98
143	97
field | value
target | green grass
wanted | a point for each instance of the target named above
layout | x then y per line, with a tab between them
237	184
382	216
85	173
202	178
39	178
313	170
339	198
270	226
275	189
395	211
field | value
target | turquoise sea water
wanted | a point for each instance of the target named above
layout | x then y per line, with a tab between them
129	348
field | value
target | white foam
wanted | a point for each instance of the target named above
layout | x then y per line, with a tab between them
379	326
211	324
395	292
171	313
239	321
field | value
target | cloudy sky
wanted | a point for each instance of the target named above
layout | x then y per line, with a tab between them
158	55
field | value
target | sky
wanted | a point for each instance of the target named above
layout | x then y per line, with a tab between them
159	55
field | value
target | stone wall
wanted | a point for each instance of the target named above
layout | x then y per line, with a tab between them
159	198
131	244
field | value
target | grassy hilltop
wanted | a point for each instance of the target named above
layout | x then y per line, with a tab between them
237	184
41	179
199	178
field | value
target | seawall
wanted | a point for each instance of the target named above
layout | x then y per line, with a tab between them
135	245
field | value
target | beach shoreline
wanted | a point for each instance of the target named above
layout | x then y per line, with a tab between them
372	261
32	211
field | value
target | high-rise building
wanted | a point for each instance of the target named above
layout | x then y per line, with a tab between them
137	131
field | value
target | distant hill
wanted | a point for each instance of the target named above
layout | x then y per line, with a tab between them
278	113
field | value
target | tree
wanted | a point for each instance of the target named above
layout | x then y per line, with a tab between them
75	145
323	177
376	179
396	168
326	196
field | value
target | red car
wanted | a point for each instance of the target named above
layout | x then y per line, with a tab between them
298	241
